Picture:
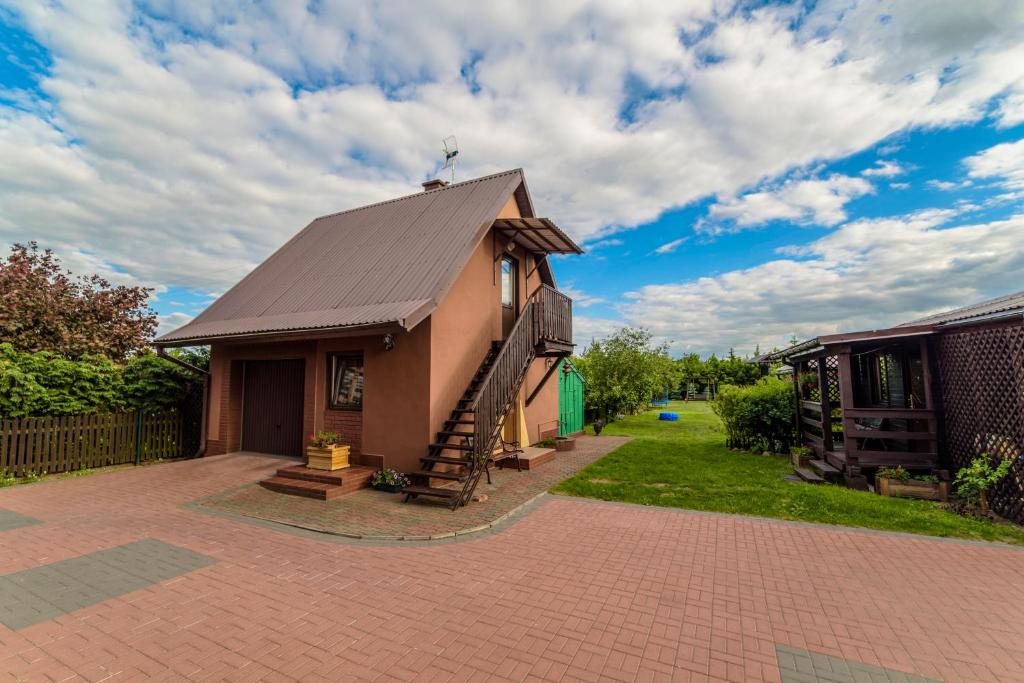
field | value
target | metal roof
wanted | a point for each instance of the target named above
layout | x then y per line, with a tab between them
1002	304
390	262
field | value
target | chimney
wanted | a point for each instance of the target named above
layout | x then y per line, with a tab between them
435	184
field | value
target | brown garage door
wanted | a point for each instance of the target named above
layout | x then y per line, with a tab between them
272	406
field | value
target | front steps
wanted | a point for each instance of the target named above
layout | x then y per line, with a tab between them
299	480
818	472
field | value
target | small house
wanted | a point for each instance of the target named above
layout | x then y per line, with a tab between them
423	329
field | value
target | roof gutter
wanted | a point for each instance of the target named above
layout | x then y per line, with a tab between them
162	353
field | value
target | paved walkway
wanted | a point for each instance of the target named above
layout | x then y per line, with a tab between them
368	513
574	590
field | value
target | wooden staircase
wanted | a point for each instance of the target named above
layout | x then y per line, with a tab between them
818	472
462	451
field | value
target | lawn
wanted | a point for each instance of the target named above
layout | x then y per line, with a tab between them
685	464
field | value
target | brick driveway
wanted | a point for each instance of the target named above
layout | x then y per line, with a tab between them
573	590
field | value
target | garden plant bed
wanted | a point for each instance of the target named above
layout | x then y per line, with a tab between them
687	465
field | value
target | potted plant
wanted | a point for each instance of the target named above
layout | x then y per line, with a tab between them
598	426
897	482
800	456
974	481
565	443
388	480
326	452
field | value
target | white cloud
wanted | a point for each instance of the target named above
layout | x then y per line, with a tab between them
184	148
1004	162
172	321
949	185
805	202
669	247
900	186
580	299
866	274
603	244
884	168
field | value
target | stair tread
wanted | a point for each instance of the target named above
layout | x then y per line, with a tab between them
431	491
460	422
452	446
299	483
454	476
446	460
808	474
823	467
452	432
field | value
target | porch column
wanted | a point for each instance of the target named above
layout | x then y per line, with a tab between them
797	399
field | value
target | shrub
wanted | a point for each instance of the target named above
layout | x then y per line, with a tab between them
44	383
759	416
896	473
973	482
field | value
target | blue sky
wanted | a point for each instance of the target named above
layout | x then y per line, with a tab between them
738	173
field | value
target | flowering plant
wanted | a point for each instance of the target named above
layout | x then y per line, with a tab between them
389	477
324	439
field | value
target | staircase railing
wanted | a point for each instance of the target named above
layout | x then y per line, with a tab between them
547	316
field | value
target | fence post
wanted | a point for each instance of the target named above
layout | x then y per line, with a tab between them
138	436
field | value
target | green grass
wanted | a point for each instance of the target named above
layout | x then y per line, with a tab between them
685	464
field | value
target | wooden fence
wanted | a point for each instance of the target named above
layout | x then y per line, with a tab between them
40	445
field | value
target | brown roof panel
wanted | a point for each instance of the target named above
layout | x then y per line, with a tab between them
376	264
1002	304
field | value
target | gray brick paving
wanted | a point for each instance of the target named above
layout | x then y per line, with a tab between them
804	666
39	594
10	520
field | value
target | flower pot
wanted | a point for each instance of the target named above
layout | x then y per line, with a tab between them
334	457
565	443
388	488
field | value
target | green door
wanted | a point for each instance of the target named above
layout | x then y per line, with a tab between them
570	400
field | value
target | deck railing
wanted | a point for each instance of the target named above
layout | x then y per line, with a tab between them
554	317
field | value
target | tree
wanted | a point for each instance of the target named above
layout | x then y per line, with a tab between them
624	371
45	308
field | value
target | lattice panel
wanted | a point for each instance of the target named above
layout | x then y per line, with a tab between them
832	373
982	380
809	381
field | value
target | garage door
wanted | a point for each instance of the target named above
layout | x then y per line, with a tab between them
272	406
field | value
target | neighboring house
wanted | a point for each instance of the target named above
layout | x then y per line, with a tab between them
931	393
384	322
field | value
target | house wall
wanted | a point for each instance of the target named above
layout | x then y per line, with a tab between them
465	324
391	429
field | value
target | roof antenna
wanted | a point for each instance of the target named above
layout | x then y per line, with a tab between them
451	154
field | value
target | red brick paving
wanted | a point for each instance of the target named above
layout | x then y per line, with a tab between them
370	513
575	590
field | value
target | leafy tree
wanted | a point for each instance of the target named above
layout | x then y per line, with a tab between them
624	371
45	308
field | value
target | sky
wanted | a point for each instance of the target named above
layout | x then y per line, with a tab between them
739	174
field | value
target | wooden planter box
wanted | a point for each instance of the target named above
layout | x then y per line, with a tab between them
798	460
912	488
328	458
388	488
565	443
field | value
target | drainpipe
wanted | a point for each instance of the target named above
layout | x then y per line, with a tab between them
162	353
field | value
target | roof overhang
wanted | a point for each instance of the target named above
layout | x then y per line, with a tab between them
537	234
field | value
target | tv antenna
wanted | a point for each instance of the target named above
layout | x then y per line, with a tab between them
451	154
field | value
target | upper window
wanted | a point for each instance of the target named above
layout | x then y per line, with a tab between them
508	281
346	387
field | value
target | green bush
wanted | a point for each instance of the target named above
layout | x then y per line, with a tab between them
759	416
44	383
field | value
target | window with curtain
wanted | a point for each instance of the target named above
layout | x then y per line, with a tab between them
346	386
